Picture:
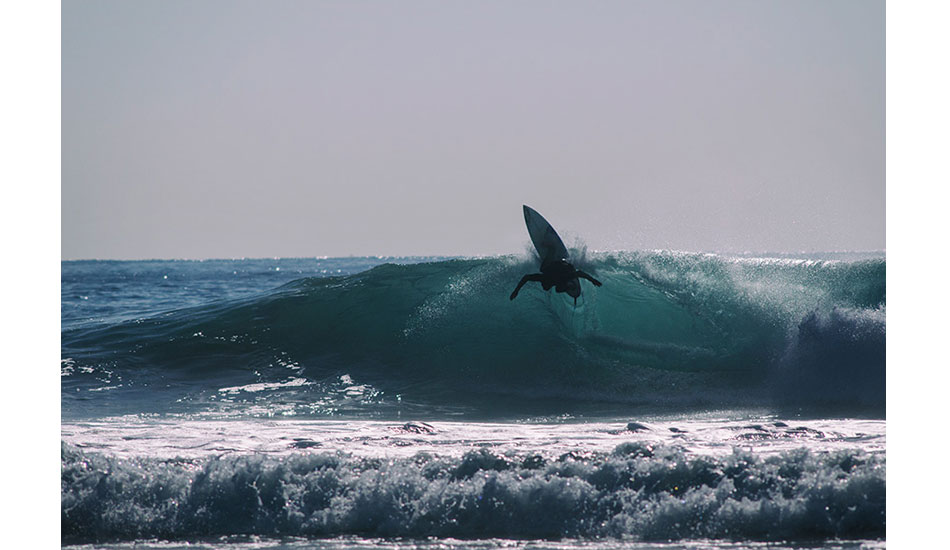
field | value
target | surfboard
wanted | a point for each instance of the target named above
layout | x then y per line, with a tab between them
546	240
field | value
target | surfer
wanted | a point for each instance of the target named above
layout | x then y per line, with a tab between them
556	270
561	275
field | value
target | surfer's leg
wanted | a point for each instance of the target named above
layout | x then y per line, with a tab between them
525	279
580	273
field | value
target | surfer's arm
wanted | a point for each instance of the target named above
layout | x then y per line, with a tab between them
525	279
580	273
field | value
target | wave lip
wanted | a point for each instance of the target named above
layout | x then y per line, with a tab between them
638	491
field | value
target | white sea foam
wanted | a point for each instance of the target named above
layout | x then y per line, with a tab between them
263	386
137	436
673	481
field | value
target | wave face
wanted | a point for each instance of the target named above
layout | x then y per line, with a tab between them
667	331
637	491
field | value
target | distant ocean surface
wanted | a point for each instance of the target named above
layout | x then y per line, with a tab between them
692	401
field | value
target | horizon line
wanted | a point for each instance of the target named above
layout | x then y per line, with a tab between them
456	256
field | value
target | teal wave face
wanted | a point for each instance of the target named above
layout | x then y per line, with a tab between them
665	331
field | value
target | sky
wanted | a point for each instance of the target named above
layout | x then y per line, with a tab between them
223	129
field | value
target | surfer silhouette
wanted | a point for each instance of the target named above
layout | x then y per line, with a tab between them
556	270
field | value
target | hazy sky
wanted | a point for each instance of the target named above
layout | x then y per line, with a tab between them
199	129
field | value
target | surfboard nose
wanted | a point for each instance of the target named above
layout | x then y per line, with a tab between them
545	238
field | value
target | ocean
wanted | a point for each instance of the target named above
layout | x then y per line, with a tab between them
693	401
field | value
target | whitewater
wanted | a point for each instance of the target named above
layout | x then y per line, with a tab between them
693	401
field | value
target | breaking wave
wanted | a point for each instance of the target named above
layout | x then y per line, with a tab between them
666	330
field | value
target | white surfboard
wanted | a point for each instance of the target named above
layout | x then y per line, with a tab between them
546	240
